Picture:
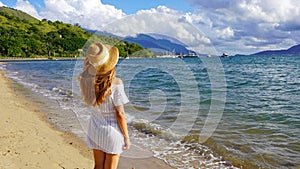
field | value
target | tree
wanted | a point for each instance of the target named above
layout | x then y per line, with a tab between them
24	36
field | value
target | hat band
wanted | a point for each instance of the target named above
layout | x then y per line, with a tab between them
105	58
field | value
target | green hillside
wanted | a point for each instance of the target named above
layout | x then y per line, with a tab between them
25	36
17	13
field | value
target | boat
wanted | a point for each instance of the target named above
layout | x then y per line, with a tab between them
224	55
168	54
189	55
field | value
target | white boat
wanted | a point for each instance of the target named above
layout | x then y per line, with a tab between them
168	54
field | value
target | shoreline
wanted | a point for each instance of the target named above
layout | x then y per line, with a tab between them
30	141
65	148
38	59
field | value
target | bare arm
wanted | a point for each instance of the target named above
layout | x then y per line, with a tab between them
121	118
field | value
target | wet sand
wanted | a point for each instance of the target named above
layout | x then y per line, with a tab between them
28	140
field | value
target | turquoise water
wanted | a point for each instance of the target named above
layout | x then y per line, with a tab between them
171	100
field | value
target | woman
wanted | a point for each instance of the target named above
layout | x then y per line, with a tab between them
107	132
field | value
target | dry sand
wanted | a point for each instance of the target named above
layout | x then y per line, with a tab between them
27	140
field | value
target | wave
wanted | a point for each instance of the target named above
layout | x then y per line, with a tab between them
63	92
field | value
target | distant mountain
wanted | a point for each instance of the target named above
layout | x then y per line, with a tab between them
25	36
295	50
159	44
90	30
160	36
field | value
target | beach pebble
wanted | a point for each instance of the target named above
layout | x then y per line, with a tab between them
227	163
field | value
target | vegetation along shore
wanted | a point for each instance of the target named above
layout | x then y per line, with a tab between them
24	36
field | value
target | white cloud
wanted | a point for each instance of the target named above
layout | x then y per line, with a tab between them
1	4
225	33
91	14
257	40
265	23
25	6
186	18
269	10
164	21
246	25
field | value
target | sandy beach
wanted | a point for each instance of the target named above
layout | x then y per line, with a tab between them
29	141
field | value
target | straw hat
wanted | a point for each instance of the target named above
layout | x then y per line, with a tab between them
103	57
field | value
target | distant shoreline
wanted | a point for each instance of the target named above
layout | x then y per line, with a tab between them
39	59
14	59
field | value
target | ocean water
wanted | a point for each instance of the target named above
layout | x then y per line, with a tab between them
237	112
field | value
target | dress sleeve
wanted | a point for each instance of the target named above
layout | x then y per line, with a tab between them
119	95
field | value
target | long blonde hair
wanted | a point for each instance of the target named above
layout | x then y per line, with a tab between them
94	86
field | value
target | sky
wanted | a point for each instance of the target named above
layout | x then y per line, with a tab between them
230	26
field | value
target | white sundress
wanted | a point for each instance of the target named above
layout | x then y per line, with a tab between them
103	130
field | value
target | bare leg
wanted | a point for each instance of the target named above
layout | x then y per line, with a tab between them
99	158
111	161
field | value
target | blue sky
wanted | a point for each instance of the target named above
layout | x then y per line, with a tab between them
128	6
132	6
231	26
37	3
